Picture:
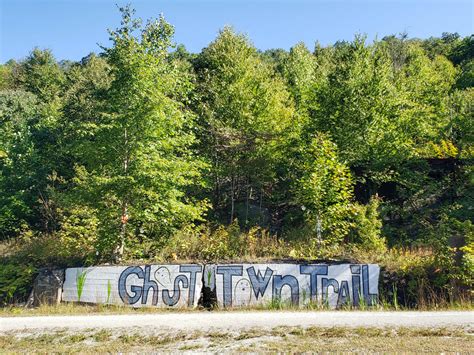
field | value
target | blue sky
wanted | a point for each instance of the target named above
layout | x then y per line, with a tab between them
72	29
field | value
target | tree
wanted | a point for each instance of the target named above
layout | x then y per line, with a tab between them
324	192
41	75
35	102
460	130
299	72
463	50
7	80
245	114
466	76
359	107
137	161
380	114
424	85
275	57
17	176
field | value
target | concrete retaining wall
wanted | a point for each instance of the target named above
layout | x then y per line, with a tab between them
230	285
297	284
148	285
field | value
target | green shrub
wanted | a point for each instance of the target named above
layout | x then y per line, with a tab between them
367	226
324	193
411	277
21	259
223	243
304	246
79	232
453	241
16	280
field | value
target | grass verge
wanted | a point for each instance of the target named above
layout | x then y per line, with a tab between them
81	308
292	339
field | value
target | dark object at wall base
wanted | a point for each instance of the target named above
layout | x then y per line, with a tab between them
47	288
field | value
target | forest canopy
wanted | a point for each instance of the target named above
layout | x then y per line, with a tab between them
144	150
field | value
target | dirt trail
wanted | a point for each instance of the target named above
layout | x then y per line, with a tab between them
206	321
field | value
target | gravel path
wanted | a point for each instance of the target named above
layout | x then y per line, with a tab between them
206	321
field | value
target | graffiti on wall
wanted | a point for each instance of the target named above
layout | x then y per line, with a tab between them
297	284
234	285
137	286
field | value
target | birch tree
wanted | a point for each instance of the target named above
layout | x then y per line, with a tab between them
137	158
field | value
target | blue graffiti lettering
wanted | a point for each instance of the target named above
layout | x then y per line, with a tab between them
259	282
369	298
147	285
344	296
227	271
313	271
289	280
171	301
136	291
326	283
193	270
355	270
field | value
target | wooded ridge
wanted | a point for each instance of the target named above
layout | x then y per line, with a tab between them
145	151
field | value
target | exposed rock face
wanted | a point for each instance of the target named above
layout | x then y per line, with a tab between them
47	288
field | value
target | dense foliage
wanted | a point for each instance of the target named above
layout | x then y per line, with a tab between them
145	150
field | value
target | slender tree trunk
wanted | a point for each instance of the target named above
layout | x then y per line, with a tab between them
217	185
318	230
124	214
232	199
249	193
123	231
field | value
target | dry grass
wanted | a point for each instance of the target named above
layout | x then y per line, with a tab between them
80	309
393	259
293	339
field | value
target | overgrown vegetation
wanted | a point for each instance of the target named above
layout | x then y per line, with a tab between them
358	151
